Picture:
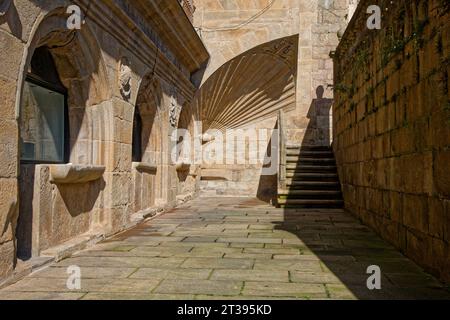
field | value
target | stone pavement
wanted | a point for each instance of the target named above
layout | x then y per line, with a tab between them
236	248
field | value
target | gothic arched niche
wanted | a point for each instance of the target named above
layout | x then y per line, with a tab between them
148	132
148	106
72	60
80	66
250	87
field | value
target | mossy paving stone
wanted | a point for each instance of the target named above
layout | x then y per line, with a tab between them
177	256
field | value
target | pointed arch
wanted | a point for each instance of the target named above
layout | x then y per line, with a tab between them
75	59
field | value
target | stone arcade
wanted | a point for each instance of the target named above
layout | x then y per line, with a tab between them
97	162
88	117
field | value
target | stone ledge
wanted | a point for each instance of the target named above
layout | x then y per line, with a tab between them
216	175
182	166
207	138
72	174
145	167
69	248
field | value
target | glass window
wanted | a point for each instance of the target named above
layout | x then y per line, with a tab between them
42	124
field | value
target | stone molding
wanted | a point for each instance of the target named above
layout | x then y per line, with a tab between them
284	49
125	75
147	50
145	167
73	174
170	22
182	166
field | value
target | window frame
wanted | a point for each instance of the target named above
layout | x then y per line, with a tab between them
36	80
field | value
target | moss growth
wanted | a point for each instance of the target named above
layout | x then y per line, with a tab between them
340	87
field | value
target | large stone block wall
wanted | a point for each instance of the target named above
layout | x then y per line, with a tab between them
106	66
233	28
59	212
249	170
392	127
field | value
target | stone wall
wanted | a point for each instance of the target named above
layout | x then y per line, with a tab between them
235	30
188	7
232	27
107	67
392	127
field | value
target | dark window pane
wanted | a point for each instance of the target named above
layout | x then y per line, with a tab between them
137	137
42	124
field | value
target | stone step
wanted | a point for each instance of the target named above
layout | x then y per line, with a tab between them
311	179
310	194
309	148
312	176
302	160
310	168
302	203
313	185
309	154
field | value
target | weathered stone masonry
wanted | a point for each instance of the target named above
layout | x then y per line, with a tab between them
392	126
126	56
236	33
137	70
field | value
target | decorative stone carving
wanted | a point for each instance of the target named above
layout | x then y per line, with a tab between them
216	175
145	167
174	111
284	49
4	7
206	138
125	78
71	174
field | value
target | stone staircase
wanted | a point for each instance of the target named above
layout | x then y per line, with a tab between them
311	179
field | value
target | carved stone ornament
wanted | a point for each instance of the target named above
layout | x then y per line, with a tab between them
173	112
284	49
4	6
125	78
